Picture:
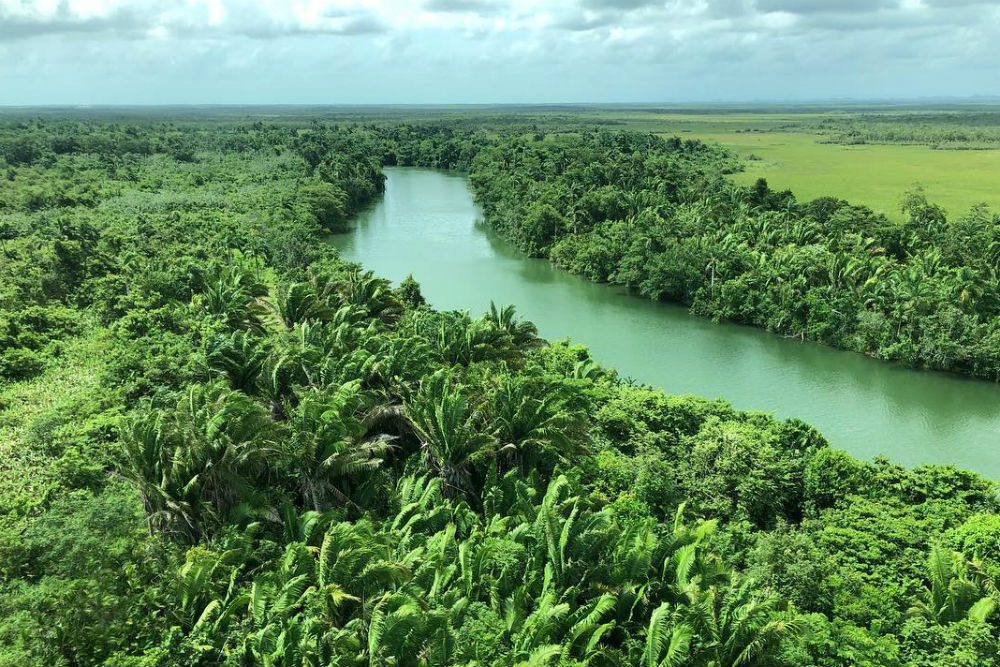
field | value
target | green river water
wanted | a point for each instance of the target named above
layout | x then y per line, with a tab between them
428	225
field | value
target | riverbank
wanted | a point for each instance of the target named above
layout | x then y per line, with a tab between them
428	224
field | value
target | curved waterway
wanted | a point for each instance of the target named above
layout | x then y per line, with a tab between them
429	225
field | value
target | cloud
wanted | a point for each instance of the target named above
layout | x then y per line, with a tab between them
365	24
492	50
465	6
136	19
728	8
620	4
24	20
593	14
582	21
825	6
958	3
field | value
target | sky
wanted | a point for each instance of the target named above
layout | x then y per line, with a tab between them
494	51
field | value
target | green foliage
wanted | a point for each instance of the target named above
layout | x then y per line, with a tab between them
954	592
225	446
979	535
659	217
831	476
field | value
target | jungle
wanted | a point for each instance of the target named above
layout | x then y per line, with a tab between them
223	444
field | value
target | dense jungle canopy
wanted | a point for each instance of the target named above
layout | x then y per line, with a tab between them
221	444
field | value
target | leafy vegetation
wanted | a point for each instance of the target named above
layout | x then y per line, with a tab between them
658	216
222	445
940	130
866	154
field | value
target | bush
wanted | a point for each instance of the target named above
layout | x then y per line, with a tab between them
832	475
20	363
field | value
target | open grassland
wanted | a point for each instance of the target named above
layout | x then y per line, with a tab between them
794	150
874	175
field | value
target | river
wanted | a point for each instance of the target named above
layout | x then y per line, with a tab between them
428	225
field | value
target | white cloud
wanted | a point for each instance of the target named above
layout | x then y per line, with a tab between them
490	50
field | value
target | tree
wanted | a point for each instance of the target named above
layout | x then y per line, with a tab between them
446	424
329	451
522	332
327	202
954	590
232	293
197	463
298	303
668	643
7	233
409	292
738	625
532	424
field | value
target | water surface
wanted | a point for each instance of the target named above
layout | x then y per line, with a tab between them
428	225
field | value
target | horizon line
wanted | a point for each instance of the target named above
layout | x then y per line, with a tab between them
943	99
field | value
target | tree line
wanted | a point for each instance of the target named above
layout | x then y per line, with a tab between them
658	216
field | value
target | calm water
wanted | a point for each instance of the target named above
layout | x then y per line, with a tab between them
428	225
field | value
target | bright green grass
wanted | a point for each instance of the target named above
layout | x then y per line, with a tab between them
874	175
777	147
33	416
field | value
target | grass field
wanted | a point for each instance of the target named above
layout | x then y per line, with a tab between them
874	175
780	147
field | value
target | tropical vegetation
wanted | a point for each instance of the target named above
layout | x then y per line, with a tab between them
221	444
659	217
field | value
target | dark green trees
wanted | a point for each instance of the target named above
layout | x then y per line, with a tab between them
658	217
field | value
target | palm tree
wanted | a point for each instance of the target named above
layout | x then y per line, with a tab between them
297	358
422	508
302	526
458	339
329	450
929	262
522	332
403	631
738	625
717	252
204	586
968	287
586	629
278	635
531	422
668	641
913	294
371	293
239	357
553	526
445	423
394	362
298	303
232	293
146	444
954	590
195	464
687	556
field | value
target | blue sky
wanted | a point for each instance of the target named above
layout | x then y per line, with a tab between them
489	51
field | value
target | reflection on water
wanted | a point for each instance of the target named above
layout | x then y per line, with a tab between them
428	225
